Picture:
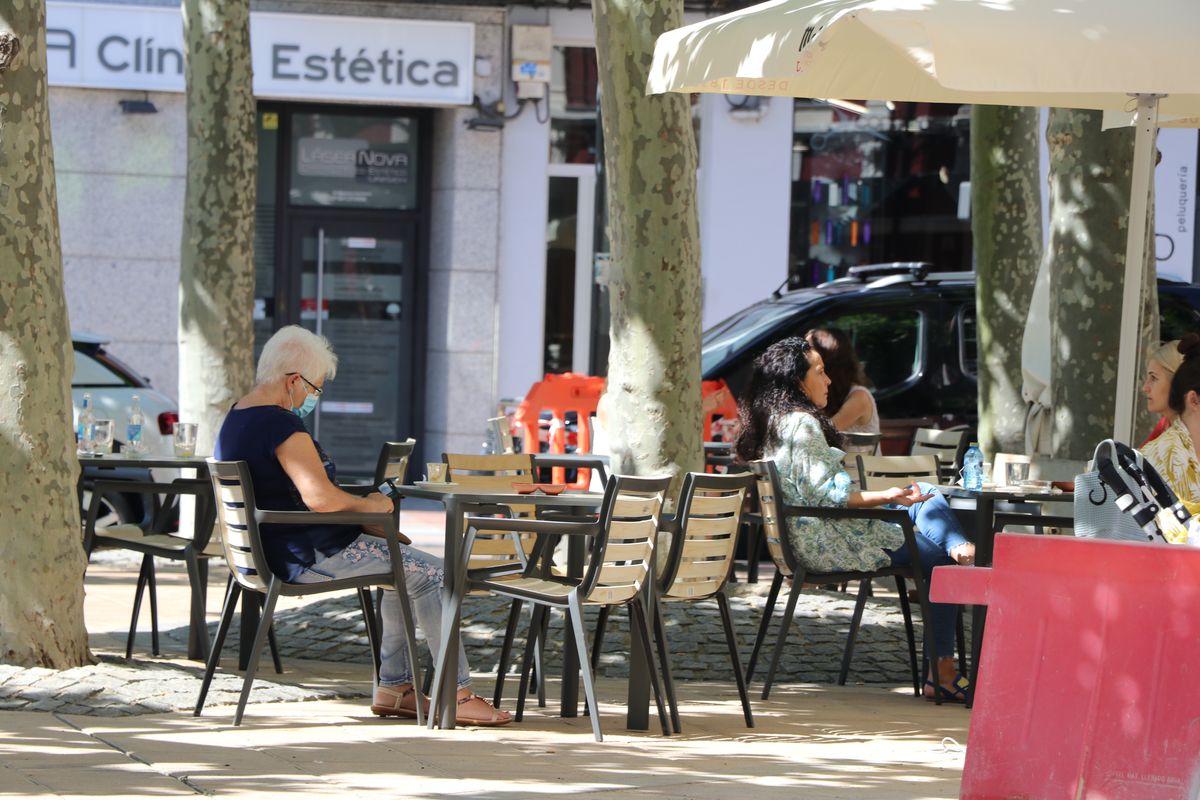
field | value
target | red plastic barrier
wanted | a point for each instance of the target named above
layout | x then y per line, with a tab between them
559	394
720	410
1089	683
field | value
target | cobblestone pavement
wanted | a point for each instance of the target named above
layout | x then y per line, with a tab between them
332	630
117	687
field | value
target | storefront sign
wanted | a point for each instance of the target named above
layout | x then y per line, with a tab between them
1175	204
295	56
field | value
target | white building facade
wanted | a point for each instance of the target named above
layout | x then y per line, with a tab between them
440	229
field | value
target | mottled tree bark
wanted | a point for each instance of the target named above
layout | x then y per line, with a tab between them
41	553
653	392
1006	228
216	276
1090	172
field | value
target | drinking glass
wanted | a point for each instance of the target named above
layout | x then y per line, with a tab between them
435	472
185	439
102	436
1016	473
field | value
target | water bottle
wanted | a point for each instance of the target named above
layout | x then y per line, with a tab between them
134	443
85	426
973	468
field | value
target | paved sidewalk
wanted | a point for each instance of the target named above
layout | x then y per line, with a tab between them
101	730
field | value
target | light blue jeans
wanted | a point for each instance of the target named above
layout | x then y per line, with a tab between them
937	533
424	576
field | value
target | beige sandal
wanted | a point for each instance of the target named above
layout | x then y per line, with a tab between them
497	717
388	702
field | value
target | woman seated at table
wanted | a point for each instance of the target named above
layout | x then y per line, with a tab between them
851	407
1174	453
782	420
1161	367
291	472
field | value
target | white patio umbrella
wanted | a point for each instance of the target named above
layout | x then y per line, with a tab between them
1111	55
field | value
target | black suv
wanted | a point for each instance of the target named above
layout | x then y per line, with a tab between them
913	330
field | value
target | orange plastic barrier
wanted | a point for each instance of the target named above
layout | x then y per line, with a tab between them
1087	683
720	410
560	394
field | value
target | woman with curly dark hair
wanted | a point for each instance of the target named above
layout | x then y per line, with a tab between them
851	406
782	419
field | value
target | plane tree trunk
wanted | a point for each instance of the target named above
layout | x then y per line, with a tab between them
41	551
653	393
1006	228
216	280
1090	173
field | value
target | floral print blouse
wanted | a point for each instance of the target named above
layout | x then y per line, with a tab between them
1174	456
811	474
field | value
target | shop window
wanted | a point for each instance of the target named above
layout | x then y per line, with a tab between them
882	182
351	161
573	81
561	229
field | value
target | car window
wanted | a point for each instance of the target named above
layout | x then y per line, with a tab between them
968	341
888	343
90	372
736	332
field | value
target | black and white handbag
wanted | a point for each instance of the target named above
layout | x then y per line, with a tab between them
1123	497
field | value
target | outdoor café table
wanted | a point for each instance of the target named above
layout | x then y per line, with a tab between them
197	627
457	504
985	539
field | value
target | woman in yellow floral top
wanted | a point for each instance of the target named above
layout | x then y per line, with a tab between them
1173	453
781	419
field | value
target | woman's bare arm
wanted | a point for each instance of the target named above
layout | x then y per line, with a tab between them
299	459
856	410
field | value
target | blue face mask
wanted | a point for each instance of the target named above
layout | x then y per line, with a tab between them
306	408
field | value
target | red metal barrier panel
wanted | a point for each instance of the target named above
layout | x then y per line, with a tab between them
1089	683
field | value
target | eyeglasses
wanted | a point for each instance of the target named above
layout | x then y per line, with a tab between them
317	390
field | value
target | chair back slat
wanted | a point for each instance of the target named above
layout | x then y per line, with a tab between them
393	461
716	504
240	538
886	472
943	444
494	473
623	550
770	507
710	514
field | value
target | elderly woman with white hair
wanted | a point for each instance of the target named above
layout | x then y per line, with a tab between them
292	473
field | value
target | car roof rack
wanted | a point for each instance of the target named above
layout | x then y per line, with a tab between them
866	272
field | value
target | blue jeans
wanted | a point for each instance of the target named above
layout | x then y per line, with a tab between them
424	576
937	533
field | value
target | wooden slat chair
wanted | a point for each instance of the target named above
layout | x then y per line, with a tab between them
703	538
943	444
886	472
774	513
623	539
154	539
239	519
498	554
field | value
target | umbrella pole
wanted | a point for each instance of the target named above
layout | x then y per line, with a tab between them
1135	256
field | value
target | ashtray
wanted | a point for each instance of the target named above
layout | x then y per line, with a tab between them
544	488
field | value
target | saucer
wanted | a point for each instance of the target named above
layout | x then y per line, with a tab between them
434	485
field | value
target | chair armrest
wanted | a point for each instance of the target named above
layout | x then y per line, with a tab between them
896	515
668	523
324	517
530	525
357	489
